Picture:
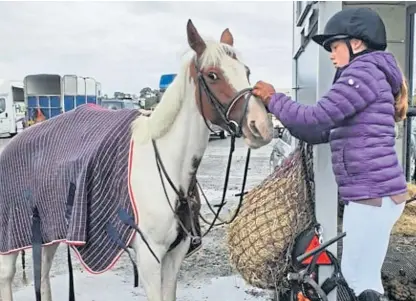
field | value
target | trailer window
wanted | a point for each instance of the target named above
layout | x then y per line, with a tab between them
113	105
2	105
129	105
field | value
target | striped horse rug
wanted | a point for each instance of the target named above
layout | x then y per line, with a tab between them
73	170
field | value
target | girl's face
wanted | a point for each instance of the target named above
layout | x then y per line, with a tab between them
340	55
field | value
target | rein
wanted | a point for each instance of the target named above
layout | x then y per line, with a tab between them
235	129
223	202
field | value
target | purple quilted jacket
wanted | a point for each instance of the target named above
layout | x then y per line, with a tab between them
356	116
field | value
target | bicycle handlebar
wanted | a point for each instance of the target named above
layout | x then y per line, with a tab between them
325	245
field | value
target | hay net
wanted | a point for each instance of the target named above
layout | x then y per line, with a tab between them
273	214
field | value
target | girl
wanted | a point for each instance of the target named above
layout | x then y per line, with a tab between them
357	117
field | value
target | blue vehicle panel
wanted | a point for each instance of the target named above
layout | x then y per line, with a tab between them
92	99
69	102
166	80
80	100
50	106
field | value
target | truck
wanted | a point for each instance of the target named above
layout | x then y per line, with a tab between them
12	107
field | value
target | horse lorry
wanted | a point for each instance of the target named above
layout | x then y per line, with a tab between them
49	95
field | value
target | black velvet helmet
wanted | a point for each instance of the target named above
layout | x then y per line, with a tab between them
360	23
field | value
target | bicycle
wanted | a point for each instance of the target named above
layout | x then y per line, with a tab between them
303	283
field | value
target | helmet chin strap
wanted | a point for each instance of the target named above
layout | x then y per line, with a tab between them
354	55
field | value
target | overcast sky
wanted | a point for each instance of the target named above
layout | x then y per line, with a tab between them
128	45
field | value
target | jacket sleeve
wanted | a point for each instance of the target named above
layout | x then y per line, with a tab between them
349	95
311	135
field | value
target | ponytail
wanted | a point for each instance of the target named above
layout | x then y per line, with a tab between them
401	103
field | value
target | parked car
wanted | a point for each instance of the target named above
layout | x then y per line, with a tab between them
282	148
117	104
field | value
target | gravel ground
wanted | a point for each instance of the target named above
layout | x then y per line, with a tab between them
207	275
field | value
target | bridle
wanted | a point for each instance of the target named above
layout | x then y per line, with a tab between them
235	129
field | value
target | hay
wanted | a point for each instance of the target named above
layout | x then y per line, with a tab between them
261	238
406	225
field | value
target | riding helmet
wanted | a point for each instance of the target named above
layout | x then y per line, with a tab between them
360	23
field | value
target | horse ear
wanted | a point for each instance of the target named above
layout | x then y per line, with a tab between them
227	37
194	39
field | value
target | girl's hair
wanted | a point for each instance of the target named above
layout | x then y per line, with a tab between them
401	101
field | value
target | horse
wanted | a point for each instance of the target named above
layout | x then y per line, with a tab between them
143	165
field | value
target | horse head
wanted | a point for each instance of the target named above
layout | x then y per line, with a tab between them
223	90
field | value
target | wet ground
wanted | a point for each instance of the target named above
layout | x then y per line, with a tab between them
207	275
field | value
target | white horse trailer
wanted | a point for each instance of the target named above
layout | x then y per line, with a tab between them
50	95
12	107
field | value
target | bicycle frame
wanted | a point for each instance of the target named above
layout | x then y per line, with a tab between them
297	280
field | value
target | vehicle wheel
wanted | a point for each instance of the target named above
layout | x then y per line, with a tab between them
13	134
222	135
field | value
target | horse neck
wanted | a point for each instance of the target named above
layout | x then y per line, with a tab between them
187	139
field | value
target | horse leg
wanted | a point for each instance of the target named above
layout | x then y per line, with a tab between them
7	272
171	265
48	253
149	268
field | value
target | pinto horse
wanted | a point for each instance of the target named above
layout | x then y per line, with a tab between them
75	172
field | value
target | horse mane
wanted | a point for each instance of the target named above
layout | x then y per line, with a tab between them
165	113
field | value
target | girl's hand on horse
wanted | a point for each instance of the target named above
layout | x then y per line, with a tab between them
264	91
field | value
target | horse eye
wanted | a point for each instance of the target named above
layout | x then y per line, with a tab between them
213	76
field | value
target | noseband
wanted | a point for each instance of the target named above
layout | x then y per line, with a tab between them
233	127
